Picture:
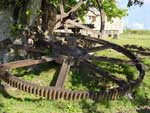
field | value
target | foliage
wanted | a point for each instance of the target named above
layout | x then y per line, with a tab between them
135	2
137	32
110	7
112	10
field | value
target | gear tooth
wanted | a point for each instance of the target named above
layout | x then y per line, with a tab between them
50	94
42	92
17	85
84	95
58	94
111	94
29	89
91	95
98	96
9	81
13	83
54	94
35	90
95	96
26	89
116	94
65	95
120	92
74	96
71	95
105	95
108	94
21	86
62	94
39	92
46	93
68	95
78	96
32	90
87	95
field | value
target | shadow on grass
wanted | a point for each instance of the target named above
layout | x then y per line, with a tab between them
34	70
92	82
142	101
53	82
89	106
125	70
89	80
1	107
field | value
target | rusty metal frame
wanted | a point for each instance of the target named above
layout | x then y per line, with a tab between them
70	54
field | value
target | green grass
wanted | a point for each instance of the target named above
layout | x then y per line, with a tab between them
20	102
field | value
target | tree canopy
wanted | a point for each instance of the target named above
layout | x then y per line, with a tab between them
110	7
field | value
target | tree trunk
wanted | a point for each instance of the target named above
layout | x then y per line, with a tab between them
33	7
5	20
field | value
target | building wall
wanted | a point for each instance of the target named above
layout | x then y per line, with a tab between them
113	27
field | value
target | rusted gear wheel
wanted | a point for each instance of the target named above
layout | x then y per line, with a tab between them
138	49
67	52
70	56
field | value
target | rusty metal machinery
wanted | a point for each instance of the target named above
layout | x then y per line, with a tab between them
68	51
138	50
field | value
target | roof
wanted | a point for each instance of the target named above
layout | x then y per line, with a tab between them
93	12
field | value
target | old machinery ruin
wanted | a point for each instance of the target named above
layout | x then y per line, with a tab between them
73	50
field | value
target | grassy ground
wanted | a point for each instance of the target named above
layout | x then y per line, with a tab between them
19	102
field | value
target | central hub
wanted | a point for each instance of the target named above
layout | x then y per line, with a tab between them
68	48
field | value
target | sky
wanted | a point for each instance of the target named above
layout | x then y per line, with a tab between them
138	17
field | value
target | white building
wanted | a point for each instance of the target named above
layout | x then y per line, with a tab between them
115	27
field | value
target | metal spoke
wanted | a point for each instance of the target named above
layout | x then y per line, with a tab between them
61	7
63	73
82	26
99	48
25	63
76	7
